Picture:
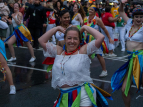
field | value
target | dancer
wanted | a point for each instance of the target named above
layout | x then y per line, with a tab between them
95	23
108	21
79	15
133	69
74	84
4	67
50	15
65	23
21	34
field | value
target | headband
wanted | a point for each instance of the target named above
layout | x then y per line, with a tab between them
78	5
94	8
137	9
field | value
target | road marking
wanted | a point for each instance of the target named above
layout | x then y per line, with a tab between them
138	96
27	67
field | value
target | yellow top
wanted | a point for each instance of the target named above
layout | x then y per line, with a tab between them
114	11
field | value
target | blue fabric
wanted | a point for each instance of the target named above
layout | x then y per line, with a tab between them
94	8
59	101
70	100
116	82
17	38
101	99
2	49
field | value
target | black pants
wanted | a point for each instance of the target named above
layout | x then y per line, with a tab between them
35	32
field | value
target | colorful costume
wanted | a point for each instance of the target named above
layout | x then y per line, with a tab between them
79	75
89	37
21	33
3	52
75	22
133	66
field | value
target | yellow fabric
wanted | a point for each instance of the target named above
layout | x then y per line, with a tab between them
104	48
74	16
104	93
114	11
136	71
93	6
25	32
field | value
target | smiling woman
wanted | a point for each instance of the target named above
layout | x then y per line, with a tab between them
70	72
133	69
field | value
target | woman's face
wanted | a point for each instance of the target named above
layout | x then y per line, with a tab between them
75	8
91	11
65	19
72	40
58	4
138	19
16	7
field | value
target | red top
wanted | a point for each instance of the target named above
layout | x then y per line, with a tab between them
97	14
106	21
51	17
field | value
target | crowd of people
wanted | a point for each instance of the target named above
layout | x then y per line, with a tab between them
72	32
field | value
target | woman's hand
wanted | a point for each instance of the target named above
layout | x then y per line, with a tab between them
12	15
61	29
83	28
111	41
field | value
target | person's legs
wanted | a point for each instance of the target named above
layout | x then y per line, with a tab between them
122	38
30	49
102	62
6	68
11	41
33	35
126	99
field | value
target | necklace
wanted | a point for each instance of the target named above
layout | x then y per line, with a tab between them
62	64
74	16
134	32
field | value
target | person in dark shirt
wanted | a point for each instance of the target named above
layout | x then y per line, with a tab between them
37	20
28	4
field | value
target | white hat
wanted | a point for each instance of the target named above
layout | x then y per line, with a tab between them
115	1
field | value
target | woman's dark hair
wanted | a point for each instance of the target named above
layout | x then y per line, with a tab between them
62	12
73	29
107	9
61	4
18	4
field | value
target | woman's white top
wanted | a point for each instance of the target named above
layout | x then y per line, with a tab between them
76	67
3	25
75	22
14	23
137	37
59	36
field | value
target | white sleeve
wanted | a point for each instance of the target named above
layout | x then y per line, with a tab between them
91	48
3	25
51	50
53	39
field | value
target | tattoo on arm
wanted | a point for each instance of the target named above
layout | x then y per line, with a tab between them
19	18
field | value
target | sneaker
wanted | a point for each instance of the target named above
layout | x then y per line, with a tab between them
112	55
32	59
103	74
123	49
106	54
12	59
12	89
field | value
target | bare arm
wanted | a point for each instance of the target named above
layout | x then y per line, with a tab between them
96	34
80	19
100	23
45	37
111	19
19	18
122	13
